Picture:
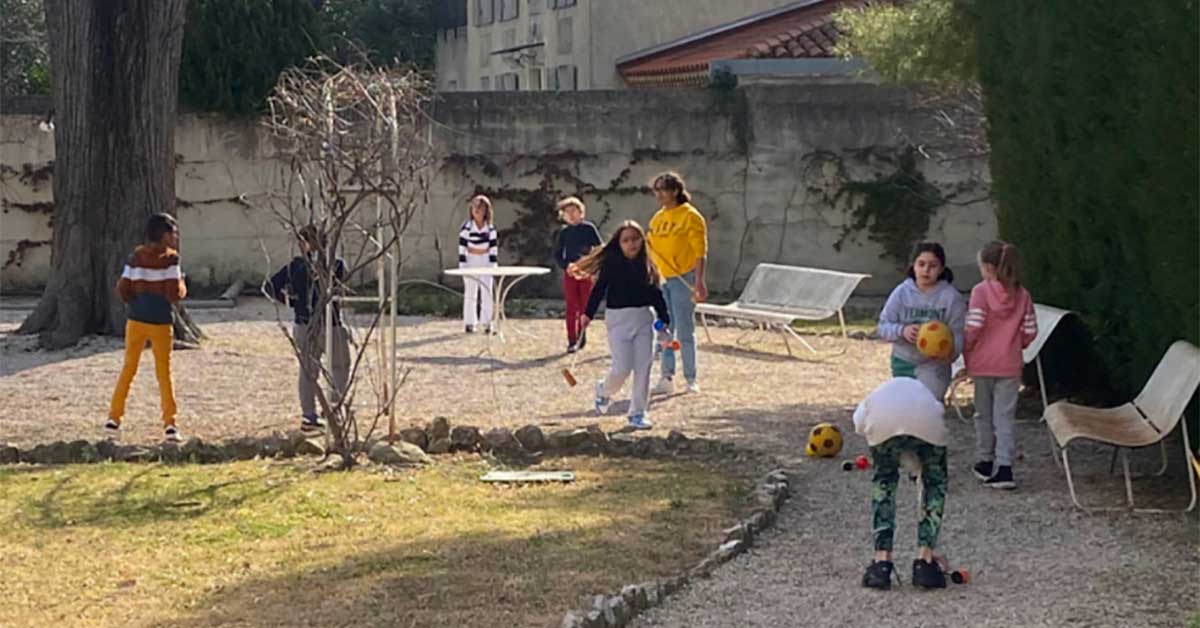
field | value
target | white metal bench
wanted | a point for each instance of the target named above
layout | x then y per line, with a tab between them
777	295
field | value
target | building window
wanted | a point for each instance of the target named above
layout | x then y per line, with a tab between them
452	85
535	6
535	32
563	78
535	79
484	12
509	82
565	35
561	4
509	38
485	50
485	84
509	9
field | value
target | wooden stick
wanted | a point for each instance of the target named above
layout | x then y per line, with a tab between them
567	375
678	275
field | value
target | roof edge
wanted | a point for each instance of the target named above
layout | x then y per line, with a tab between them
715	30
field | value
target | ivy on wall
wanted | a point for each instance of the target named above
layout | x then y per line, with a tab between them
895	209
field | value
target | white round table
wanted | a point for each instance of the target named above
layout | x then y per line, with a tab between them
513	274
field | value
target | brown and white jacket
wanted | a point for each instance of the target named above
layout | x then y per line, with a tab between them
151	282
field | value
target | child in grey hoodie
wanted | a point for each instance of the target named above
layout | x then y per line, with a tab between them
924	296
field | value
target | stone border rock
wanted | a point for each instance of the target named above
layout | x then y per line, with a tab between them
619	609
414	445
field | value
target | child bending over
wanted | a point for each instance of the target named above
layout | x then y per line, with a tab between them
903	424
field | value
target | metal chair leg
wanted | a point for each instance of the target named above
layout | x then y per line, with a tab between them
1066	464
787	345
1054	450
1189	459
1162	469
1162	447
1041	386
704	323
788	330
1128	481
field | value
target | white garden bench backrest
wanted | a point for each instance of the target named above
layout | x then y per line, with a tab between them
778	287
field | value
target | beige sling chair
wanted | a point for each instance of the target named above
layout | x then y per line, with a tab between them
1145	421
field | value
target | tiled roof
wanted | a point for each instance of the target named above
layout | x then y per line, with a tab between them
805	31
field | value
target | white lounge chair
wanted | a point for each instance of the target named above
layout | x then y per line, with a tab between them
1145	421
778	295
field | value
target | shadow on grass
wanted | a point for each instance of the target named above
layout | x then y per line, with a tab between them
473	580
133	503
480	577
488	363
543	361
754	352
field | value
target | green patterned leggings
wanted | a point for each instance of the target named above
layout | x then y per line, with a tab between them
886	458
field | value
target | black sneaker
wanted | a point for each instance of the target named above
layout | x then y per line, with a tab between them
311	424
878	575
470	329
571	349
112	430
983	470
171	434
1003	479
928	575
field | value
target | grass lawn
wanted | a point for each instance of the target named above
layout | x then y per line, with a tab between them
272	544
832	326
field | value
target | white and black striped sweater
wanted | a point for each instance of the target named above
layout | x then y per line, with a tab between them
476	237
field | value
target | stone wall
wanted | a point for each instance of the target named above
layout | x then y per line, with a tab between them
770	167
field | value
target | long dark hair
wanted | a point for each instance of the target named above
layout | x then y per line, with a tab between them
602	256
946	275
672	182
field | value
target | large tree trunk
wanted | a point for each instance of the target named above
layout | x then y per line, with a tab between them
116	75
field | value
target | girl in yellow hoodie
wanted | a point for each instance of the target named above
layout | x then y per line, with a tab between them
678	244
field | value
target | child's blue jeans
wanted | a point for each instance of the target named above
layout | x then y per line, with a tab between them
682	309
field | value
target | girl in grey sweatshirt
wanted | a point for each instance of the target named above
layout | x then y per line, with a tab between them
925	295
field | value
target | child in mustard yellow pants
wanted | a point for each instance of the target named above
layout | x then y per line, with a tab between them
150	284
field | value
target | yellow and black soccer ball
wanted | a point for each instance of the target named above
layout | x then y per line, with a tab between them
824	441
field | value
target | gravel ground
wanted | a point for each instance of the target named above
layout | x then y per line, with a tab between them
244	382
1034	560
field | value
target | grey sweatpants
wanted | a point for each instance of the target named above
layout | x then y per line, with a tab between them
933	373
995	411
631	341
936	377
312	346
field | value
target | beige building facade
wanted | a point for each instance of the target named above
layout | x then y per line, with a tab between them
562	45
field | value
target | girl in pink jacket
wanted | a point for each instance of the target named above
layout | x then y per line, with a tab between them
1000	323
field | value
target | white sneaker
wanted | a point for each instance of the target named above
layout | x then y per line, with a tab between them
601	403
640	422
112	430
171	434
693	387
665	386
